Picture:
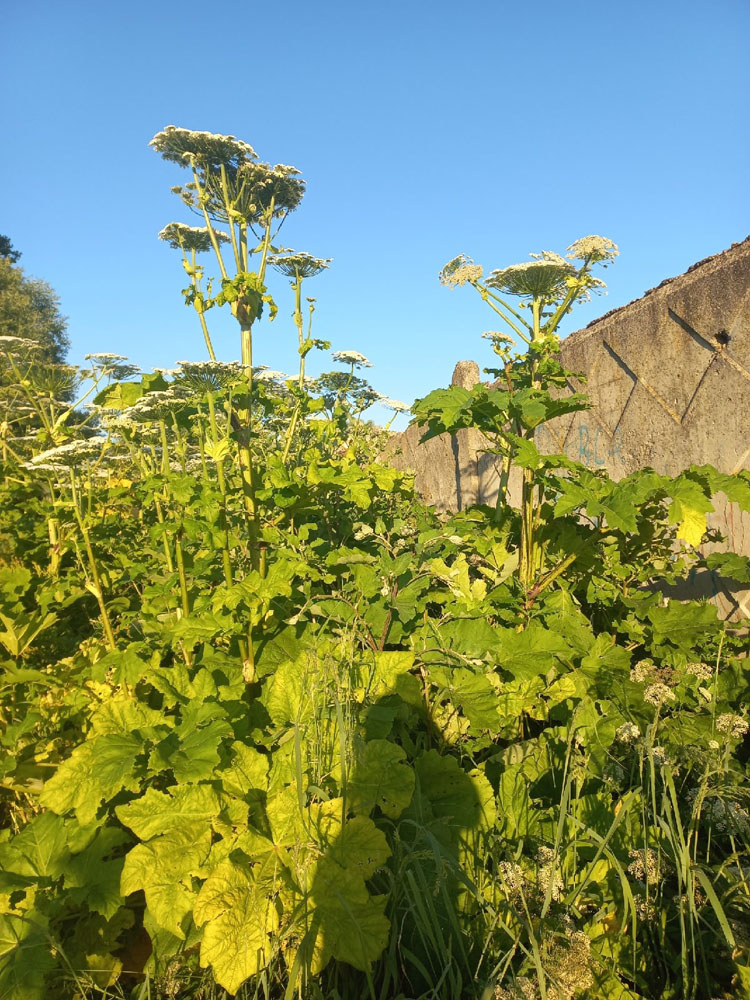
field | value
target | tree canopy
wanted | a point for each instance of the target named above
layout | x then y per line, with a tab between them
30	308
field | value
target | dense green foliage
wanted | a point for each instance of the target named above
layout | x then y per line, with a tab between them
272	726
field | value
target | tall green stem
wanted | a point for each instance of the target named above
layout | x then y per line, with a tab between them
184	598
94	586
299	323
219	463
528	495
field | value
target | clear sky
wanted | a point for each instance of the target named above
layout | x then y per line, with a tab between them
423	129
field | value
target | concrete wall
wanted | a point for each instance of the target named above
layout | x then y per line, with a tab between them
669	379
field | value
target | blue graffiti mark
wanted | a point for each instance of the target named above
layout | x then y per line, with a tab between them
583	443
589	453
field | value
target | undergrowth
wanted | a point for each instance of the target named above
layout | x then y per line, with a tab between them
273	728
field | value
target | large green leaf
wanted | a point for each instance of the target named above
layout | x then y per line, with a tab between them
288	695
356	844
729	564
157	812
192	750
288	816
24	956
349	924
462	800
163	869
530	652
39	850
681	625
124	714
239	919
248	771
688	510
96	771
381	778
472	692
93	876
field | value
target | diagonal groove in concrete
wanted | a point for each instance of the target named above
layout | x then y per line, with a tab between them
684	325
629	372
701	380
716	351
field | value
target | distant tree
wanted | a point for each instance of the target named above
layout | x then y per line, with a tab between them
7	252
29	308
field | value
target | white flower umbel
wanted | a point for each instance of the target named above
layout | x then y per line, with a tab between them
459	271
269	375
700	670
181	145
497	338
8	342
628	733
642	671
593	248
733	726
71	454
394	404
657	694
351	358
157	404
646	865
544	277
103	359
550	879
209	376
195	238
298	265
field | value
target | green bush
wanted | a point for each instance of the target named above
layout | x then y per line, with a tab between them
273	727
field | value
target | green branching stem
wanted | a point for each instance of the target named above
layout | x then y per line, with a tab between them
94	585
184	597
230	221
211	231
221	478
486	295
299	323
505	305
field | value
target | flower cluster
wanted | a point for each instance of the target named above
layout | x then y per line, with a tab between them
642	671
549	877
594	249
393	404
702	671
544	277
646	865
726	815
512	878
733	726
10	343
209	376
459	271
657	694
569	963
157	404
628	733
351	358
181	145
269	375
522	989
298	265
195	238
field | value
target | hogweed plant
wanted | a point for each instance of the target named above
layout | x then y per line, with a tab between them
231	187
548	287
405	756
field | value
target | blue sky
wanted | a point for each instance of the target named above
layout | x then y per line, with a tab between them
423	130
